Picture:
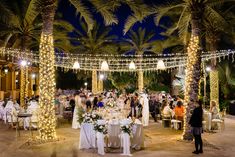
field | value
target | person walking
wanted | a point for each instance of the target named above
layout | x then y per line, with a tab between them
196	125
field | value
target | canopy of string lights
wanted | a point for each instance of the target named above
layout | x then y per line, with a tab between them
114	63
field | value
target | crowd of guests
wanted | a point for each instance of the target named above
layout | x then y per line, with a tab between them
159	105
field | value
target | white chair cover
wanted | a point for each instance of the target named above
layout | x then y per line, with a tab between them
125	138
138	137
100	143
87	136
125	142
207	117
33	109
1	110
113	135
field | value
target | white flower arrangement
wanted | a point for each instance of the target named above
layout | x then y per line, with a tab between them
90	117
126	128
102	128
111	104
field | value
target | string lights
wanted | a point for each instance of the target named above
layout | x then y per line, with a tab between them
115	63
161	65
132	66
26	94
192	78
22	86
47	121
104	66
76	65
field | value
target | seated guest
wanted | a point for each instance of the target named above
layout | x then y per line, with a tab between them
179	111
214	110
16	105
100	102
10	112
167	112
33	109
215	114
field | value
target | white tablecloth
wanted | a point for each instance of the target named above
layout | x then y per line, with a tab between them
207	117
87	136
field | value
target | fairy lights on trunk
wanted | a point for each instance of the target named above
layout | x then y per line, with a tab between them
192	78
47	121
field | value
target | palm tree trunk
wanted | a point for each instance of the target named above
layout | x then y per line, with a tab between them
47	121
140	81
22	86
94	81
214	74
26	91
100	85
193	70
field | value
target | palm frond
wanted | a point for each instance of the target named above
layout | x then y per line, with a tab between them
105	8
164	9
33	10
130	21
213	15
84	13
64	25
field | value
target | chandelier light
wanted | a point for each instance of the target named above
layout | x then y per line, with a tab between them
161	65
76	65
104	66
132	66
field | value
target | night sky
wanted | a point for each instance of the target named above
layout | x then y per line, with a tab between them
69	14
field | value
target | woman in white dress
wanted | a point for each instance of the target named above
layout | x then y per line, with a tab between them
78	103
145	111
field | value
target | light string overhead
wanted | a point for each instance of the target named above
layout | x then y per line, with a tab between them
114	63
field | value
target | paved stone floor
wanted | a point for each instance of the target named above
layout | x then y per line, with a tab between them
159	142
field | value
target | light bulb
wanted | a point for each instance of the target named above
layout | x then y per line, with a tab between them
23	63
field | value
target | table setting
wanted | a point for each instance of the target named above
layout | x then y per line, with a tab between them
109	128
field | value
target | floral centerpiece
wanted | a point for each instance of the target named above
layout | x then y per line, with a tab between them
111	103
102	128
126	128
90	117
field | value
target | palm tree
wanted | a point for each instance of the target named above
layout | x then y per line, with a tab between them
213	34
97	41
190	15
15	29
140	42
22	30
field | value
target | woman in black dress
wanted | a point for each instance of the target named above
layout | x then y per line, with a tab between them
196	124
